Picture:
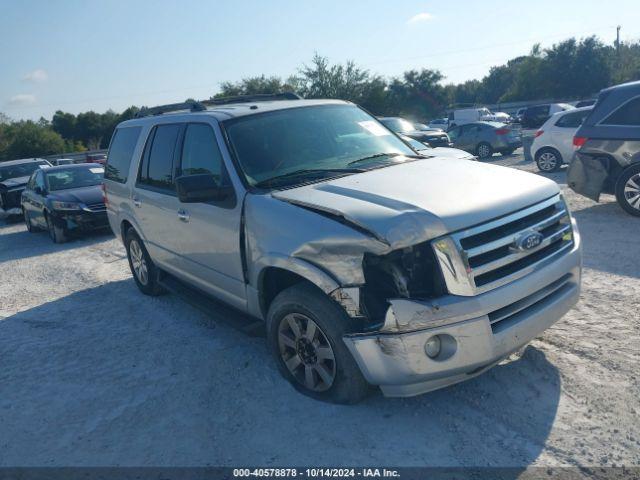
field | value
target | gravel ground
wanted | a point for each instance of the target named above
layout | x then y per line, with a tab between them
93	373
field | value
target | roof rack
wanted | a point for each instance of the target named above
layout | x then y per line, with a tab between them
199	106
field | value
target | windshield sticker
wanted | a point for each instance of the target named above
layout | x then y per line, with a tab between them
374	128
96	170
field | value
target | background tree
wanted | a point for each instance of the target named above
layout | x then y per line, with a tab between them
29	139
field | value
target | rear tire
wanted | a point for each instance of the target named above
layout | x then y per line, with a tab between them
548	160
484	150
145	273
628	190
304	333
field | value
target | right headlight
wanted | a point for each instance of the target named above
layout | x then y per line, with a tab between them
65	205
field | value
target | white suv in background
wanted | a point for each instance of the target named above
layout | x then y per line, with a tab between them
553	143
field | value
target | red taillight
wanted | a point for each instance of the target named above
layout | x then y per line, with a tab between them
538	133
579	141
104	194
502	131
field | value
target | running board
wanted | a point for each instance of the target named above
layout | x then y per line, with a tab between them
216	310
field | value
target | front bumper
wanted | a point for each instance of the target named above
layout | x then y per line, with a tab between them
5	213
397	361
81	221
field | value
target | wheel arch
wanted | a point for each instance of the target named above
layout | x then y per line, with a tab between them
281	273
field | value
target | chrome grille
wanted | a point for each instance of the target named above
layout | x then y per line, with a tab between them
490	255
96	207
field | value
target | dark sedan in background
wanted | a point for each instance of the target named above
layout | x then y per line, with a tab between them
434	137
64	200
14	175
485	138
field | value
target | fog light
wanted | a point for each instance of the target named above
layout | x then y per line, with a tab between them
432	346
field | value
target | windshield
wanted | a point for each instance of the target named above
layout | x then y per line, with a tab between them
398	125
20	170
74	178
319	141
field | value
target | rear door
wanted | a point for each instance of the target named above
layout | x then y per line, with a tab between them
209	237
154	195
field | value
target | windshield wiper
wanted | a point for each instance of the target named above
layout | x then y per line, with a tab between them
372	157
303	172
380	155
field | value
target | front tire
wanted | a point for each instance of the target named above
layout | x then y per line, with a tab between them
145	273
304	332
548	160
27	221
628	190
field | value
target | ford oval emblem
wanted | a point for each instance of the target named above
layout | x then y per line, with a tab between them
528	241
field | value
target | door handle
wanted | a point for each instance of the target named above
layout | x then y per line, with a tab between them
137	202
183	215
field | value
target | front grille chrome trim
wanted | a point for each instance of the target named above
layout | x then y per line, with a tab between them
496	261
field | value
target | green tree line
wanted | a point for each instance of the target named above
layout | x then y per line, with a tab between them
569	70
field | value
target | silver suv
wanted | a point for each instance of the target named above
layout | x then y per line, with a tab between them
368	264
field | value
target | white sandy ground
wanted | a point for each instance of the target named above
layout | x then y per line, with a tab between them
94	373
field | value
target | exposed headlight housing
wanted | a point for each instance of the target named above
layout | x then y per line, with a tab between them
66	205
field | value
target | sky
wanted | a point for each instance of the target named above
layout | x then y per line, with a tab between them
79	55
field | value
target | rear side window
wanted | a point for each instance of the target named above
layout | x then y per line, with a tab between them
200	153
121	153
572	120
156	169
627	115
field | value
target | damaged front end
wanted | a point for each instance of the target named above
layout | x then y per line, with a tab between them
10	199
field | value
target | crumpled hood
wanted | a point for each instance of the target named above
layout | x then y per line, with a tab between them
409	203
11	183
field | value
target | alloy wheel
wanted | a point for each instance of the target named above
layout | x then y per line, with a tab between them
632	191
547	161
138	262
306	352
484	151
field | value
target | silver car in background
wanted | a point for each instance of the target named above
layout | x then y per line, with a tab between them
485	138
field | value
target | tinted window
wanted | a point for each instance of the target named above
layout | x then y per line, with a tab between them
157	166
200	153
628	114
120	153
572	120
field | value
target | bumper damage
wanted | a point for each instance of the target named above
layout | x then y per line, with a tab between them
587	175
82	221
474	333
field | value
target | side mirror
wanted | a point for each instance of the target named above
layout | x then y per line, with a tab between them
38	190
201	188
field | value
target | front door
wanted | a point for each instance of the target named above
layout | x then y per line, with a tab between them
209	244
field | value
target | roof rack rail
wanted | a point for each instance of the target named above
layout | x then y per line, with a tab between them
199	106
260	97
